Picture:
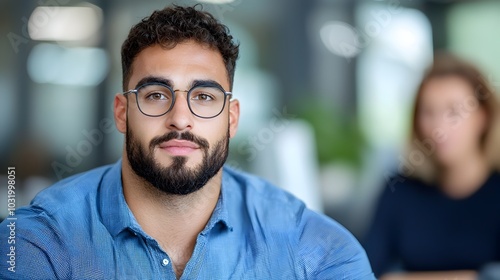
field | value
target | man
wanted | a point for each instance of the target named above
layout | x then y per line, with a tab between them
169	209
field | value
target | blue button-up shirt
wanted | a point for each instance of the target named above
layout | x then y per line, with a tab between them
82	228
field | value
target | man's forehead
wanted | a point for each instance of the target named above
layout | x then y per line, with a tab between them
183	63
186	49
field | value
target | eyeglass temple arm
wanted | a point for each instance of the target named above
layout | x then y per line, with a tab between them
129	91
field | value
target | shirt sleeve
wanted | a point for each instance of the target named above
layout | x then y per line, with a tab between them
35	253
379	241
330	251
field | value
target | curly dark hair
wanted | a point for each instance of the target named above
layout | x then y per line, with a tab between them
174	25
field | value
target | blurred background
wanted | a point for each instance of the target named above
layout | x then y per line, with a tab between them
326	87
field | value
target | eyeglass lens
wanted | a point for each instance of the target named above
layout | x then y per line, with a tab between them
157	99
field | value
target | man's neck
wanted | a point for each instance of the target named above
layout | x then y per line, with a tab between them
173	220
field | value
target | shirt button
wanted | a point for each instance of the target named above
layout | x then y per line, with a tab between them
164	262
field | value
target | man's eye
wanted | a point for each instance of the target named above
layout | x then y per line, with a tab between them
203	97
156	96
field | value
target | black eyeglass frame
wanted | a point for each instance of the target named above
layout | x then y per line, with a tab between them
173	91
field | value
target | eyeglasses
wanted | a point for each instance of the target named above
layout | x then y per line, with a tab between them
157	99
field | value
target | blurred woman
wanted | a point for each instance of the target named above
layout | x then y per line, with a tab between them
441	220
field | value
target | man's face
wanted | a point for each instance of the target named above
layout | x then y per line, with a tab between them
177	152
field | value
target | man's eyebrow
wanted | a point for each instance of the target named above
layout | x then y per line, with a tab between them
206	83
168	82
154	79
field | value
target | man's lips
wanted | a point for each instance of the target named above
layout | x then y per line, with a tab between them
179	147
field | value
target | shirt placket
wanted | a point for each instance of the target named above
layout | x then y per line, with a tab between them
163	263
193	267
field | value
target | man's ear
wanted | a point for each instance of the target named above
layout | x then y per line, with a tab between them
120	112
234	116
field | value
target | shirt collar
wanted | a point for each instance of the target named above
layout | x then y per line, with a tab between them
220	213
116	214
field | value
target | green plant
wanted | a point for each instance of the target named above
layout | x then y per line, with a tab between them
338	136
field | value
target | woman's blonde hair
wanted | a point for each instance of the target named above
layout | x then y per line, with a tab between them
448	65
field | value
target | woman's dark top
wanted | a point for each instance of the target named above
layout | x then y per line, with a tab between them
418	228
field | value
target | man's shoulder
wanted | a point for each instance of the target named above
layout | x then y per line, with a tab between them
273	203
261	195
324	245
69	192
59	221
255	185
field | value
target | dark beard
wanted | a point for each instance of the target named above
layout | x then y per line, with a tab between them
176	179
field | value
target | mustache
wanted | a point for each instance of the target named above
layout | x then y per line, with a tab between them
188	136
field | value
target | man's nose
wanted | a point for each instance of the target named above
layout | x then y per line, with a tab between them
180	117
